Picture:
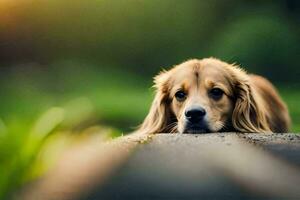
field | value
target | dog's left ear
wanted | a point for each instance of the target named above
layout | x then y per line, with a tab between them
248	114
159	114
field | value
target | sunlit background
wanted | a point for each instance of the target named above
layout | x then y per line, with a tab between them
71	67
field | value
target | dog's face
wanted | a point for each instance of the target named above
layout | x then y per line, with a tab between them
207	95
201	97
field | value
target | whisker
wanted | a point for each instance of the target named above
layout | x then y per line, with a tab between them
174	129
170	127
223	126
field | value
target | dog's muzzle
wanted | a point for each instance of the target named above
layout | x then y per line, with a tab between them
195	121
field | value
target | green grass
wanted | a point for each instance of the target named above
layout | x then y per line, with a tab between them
115	97
292	96
19	146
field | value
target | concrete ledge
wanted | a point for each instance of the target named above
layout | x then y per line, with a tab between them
282	145
208	166
179	166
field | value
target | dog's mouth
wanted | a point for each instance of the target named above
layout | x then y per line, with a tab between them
196	128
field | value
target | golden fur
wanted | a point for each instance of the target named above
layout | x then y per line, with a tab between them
249	103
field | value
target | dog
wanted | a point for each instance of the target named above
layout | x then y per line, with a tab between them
209	95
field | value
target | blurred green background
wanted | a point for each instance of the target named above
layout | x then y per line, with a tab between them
66	65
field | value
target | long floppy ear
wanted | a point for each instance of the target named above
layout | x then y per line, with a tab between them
249	115
159	114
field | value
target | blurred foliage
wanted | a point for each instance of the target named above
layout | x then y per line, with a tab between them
96	59
142	36
28	150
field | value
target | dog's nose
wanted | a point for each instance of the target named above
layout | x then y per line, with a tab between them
195	115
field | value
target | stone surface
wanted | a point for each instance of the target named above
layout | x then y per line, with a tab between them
282	145
209	166
176	166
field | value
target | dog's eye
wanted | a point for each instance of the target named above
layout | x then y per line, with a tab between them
180	96
216	93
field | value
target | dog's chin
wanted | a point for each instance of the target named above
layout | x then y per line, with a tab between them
196	130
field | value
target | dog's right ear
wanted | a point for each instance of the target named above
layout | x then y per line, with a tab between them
159	114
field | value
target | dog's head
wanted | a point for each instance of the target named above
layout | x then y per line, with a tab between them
200	96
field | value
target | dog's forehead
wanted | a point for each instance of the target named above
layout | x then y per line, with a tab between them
201	71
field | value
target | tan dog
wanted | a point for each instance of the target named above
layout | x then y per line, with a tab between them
208	95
